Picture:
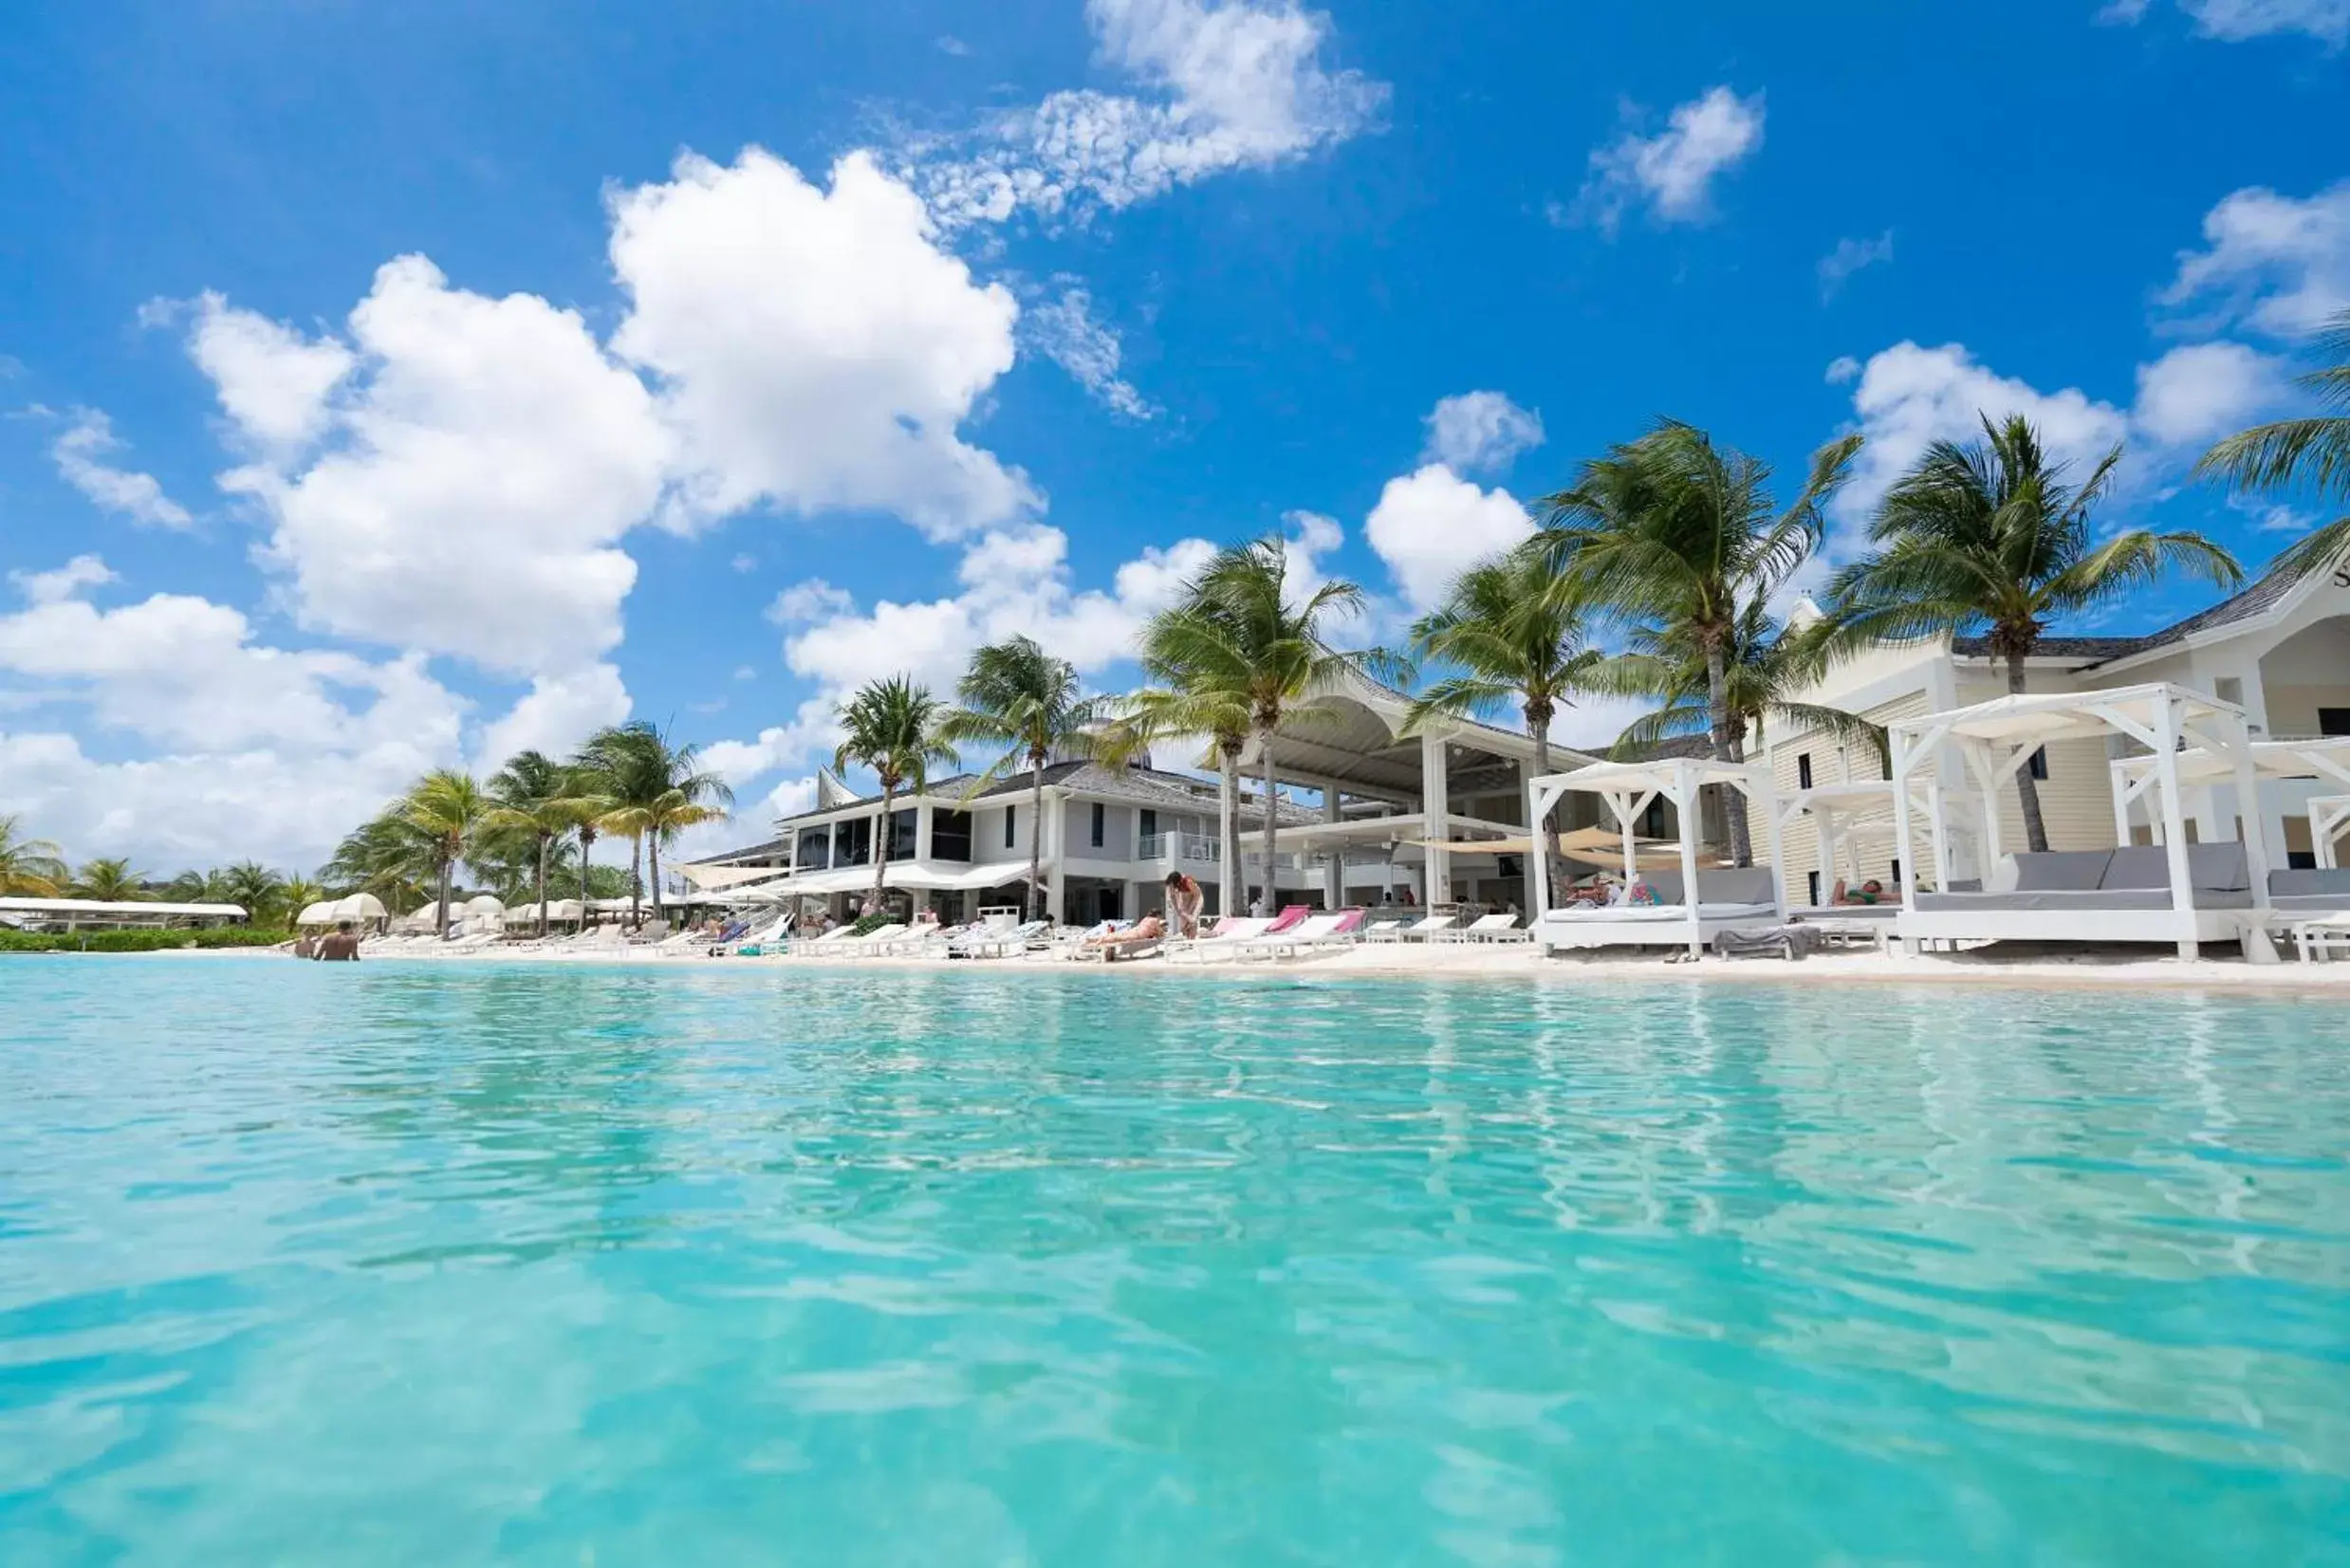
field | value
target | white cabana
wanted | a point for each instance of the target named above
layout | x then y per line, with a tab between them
1847	814
482	906
2327	759
2215	894
2329	819
1693	915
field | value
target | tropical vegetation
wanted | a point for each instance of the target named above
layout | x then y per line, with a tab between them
1994	535
890	726
640	783
2311	455
29	868
1018	697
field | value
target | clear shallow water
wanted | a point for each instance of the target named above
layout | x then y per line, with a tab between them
458	1263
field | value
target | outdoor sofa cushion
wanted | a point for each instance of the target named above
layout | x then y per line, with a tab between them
2311	884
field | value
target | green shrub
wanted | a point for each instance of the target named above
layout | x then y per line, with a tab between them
869	922
139	941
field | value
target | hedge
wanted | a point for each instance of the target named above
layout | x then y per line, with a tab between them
139	941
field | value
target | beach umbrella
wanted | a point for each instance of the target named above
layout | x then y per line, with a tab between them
357	907
319	913
483	907
563	911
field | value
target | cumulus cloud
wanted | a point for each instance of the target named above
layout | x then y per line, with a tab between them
1842	370
1430	526
67	581
1908	397
815	349
474	480
272	381
2195	394
1851	255
1673	173
1065	332
555	715
1480	431
813	600
81	456
1224	84
2278	264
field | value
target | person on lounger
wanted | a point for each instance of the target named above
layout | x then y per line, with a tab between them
1870	892
1143	932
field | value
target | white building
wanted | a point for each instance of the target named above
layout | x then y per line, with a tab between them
2280	650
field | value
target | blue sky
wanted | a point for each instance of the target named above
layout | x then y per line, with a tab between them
390	387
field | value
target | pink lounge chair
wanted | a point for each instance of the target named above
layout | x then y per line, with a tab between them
1294	916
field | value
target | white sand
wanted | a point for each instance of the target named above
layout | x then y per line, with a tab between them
2038	965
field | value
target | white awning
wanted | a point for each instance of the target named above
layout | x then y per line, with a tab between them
728	876
68	909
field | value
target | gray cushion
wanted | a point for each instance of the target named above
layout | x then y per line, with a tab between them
2301	884
2219	867
1667	883
2061	871
2085	900
1736	885
2308	903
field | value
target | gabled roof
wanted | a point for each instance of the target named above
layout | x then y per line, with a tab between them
2268	592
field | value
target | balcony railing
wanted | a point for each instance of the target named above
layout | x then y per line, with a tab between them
1180	846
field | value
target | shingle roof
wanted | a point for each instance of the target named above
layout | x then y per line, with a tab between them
2265	594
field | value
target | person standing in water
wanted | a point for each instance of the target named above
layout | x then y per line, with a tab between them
342	946
1184	901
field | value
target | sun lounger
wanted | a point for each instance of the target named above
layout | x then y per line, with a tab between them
2323	936
1315	934
1224	940
1729	898
872	943
996	941
1428	928
1489	928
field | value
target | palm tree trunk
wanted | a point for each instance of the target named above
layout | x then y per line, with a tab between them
587	843
635	881
653	853
1272	821
881	846
2026	787
1234	889
1036	835
544	840
441	928
1717	716
1553	864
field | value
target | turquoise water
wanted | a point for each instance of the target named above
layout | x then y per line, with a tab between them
460	1262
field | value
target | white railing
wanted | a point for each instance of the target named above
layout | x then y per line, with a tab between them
1180	846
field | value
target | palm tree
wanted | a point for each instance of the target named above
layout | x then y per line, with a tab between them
298	893
255	887
1768	663
29	868
1990	535
388	856
1671	532
533	794
1188	700
1252	635
651	789
890	726
1018	697
447	807
1512	634
110	882
2296	452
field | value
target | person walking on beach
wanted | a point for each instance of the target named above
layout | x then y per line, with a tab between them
1184	901
342	947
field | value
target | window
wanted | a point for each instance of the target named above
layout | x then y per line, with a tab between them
1100	823
1149	823
903	826
853	844
2334	721
1812	894
1803	771
815	849
1896	883
950	836
2039	765
1011	827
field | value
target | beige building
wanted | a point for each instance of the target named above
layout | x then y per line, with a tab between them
2280	650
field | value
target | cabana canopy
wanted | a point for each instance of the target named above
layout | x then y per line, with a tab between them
714	878
1629	789
1997	740
2329	819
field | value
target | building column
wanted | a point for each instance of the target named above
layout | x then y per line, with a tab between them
1435	818
1333	875
1053	824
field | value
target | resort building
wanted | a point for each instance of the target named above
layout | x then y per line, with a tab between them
1368	815
2280	650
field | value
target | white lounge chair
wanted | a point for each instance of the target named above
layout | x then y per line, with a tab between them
1226	939
1488	928
1424	930
874	941
1314	934
2325	936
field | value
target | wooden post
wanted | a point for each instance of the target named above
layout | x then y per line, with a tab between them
2174	823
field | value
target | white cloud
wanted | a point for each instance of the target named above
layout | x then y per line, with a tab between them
1431	526
1842	370
2198	393
2279	263
1674	171
62	582
814	600
815	349
1909	397
2235	21
1231	84
745	563
1064	331
272	382
1851	256
555	715
475	481
1479	432
80	454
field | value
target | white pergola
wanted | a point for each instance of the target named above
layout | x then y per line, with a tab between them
1997	739
1629	789
2327	759
1843	812
2329	819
